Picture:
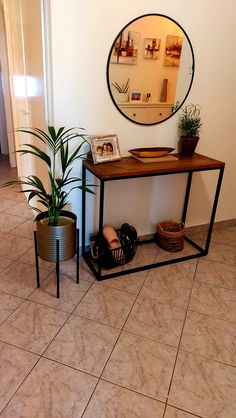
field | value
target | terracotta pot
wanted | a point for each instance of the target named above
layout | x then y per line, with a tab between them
187	145
47	236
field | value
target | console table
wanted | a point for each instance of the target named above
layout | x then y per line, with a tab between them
128	168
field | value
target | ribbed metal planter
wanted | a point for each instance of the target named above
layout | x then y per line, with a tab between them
47	237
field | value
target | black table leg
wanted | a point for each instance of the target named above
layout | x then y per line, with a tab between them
58	268
101	212
36	258
187	193
77	255
217	193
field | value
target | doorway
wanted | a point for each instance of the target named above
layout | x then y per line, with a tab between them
7	142
3	128
23	25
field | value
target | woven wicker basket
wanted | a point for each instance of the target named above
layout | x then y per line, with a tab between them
170	235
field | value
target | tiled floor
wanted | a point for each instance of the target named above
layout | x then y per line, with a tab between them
157	344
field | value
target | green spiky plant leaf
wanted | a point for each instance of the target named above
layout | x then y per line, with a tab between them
190	121
57	157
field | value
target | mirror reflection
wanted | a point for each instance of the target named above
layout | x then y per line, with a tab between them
150	69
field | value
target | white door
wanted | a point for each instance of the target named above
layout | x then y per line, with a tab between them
25	50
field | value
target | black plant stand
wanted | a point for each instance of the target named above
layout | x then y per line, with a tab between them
57	261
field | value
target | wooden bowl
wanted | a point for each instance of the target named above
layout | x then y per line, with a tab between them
151	152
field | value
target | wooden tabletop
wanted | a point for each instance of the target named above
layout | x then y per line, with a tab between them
129	167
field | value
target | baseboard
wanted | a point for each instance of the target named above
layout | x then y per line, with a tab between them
198	228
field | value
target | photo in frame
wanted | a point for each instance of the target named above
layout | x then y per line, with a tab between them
173	50
135	96
151	48
105	148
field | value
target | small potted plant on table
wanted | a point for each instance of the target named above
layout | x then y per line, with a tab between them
189	126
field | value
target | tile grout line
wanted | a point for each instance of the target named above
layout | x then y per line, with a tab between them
40	355
184	410
5	406
122	329
100	377
215	285
180	338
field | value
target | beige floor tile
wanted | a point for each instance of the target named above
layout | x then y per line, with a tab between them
225	236
142	365
69	267
170	284
29	258
25	230
8	304
210	337
14	366
217	274
84	271
130	283
176	413
70	292
203	387
22	209
222	253
106	305
32	326
167	255
12	248
19	279
51	390
9	222
12	193
6	203
185	270
155	320
4	263
145	255
213	300
83	344
111	401
196	236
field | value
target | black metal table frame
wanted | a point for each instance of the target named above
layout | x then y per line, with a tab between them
202	251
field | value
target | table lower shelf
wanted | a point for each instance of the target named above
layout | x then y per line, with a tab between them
149	255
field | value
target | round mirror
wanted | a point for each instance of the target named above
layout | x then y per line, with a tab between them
150	69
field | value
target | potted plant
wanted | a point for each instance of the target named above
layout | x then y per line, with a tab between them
53	222
189	126
122	90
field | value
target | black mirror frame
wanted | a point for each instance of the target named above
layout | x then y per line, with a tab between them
108	66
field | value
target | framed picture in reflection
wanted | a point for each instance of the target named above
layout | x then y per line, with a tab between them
173	50
151	48
135	96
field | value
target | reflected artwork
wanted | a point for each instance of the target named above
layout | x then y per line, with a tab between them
173	50
125	50
151	48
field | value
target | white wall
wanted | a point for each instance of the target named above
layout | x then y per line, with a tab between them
82	34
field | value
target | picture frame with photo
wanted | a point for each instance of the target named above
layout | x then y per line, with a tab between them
105	148
135	96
